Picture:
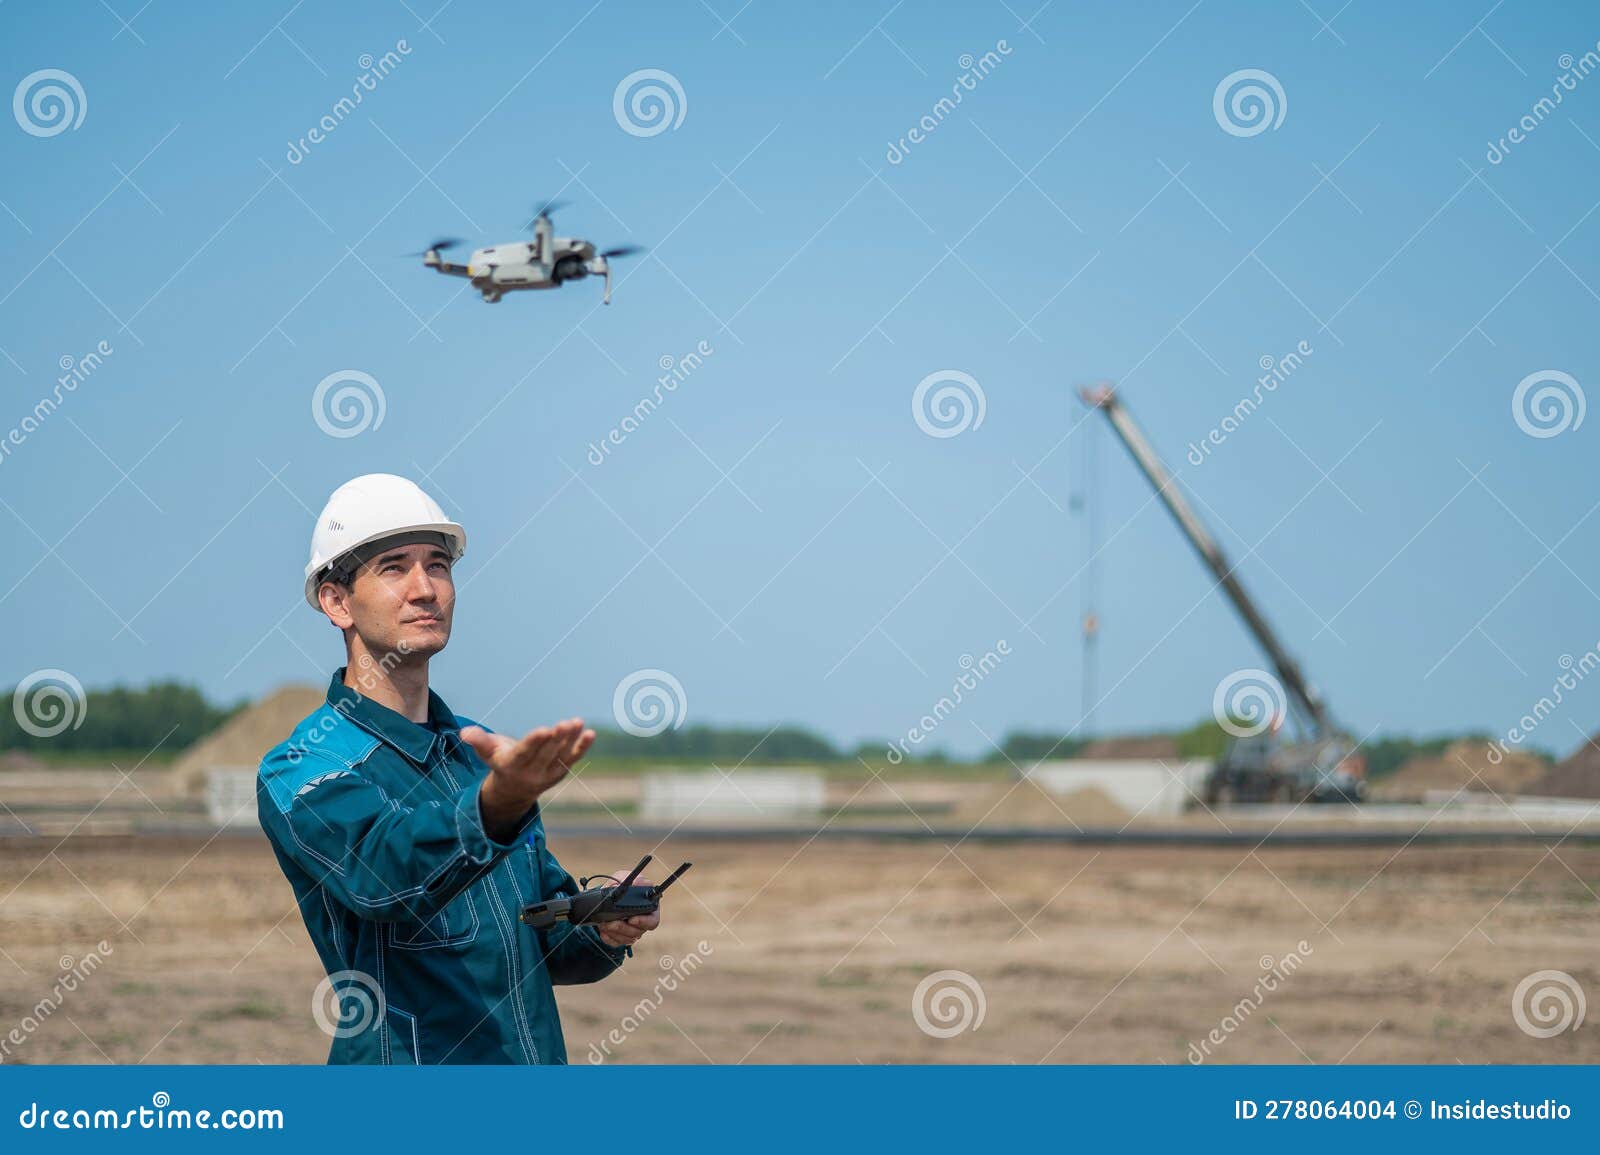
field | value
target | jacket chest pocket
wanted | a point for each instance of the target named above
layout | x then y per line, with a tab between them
455	925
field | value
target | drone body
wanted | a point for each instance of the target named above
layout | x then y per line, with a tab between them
546	262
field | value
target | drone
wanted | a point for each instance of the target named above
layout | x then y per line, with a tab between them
602	903
547	262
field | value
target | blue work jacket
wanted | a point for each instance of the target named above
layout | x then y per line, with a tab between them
412	906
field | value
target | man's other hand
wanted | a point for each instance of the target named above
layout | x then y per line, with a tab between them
628	931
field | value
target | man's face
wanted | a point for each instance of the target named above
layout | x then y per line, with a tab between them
401	602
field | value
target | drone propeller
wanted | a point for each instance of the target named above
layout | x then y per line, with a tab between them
440	245
545	208
622	251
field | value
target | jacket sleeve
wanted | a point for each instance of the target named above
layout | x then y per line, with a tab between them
382	857
572	954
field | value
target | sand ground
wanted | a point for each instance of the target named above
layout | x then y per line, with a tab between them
814	952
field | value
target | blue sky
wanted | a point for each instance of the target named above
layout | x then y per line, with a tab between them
780	534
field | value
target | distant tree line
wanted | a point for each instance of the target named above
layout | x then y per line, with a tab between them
724	745
174	715
169	714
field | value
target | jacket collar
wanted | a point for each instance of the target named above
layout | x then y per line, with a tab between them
414	741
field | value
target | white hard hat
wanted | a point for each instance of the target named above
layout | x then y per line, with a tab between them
368	509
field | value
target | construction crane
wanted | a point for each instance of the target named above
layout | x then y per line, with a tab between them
1087	502
1324	765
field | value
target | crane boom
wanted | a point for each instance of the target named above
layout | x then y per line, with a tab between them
1150	464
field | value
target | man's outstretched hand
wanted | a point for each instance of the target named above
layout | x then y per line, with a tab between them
520	770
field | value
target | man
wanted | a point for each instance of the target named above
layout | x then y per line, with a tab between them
412	836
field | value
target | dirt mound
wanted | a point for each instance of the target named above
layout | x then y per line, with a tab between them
1131	746
1454	769
1025	803
1576	776
247	736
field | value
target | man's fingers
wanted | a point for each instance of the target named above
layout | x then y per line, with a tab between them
579	748
628	931
535	751
523	750
539	747
558	740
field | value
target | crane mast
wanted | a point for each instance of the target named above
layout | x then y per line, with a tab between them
1310	705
